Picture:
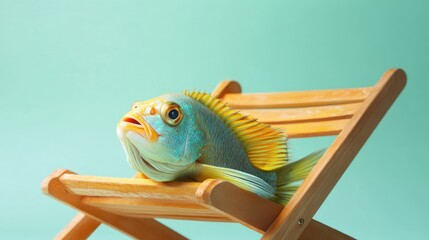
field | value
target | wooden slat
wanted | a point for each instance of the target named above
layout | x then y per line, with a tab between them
146	208
313	129
297	99
141	197
306	114
129	187
177	217
316	187
137	228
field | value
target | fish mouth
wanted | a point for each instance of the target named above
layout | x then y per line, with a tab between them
131	121
134	122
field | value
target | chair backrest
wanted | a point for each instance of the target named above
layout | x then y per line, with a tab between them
302	114
352	114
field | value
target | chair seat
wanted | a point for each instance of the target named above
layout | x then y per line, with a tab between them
211	200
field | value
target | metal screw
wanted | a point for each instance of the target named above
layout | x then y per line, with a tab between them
301	221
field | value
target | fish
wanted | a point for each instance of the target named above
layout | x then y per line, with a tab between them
194	136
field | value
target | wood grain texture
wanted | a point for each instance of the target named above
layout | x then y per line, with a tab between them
296	99
81	227
135	227
128	187
160	208
314	190
313	129
304	114
140	197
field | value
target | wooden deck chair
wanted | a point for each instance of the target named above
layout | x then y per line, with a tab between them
130	204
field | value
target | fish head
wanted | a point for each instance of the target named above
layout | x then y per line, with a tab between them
161	136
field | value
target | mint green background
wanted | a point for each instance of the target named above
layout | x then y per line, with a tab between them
70	69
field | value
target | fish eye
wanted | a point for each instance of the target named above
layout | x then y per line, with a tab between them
171	113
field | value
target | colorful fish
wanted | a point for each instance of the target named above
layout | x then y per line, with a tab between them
193	135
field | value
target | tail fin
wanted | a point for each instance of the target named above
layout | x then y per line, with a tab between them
289	177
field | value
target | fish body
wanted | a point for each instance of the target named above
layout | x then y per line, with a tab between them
193	135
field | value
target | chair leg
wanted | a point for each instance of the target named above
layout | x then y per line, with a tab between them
318	230
81	227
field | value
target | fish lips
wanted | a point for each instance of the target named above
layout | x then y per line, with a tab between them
135	123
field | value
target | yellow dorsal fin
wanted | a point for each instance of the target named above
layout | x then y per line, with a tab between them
265	146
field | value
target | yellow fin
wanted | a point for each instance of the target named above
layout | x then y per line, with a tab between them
265	146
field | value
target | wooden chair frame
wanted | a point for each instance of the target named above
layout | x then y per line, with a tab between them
130	204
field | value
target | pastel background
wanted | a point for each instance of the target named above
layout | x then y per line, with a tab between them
70	69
